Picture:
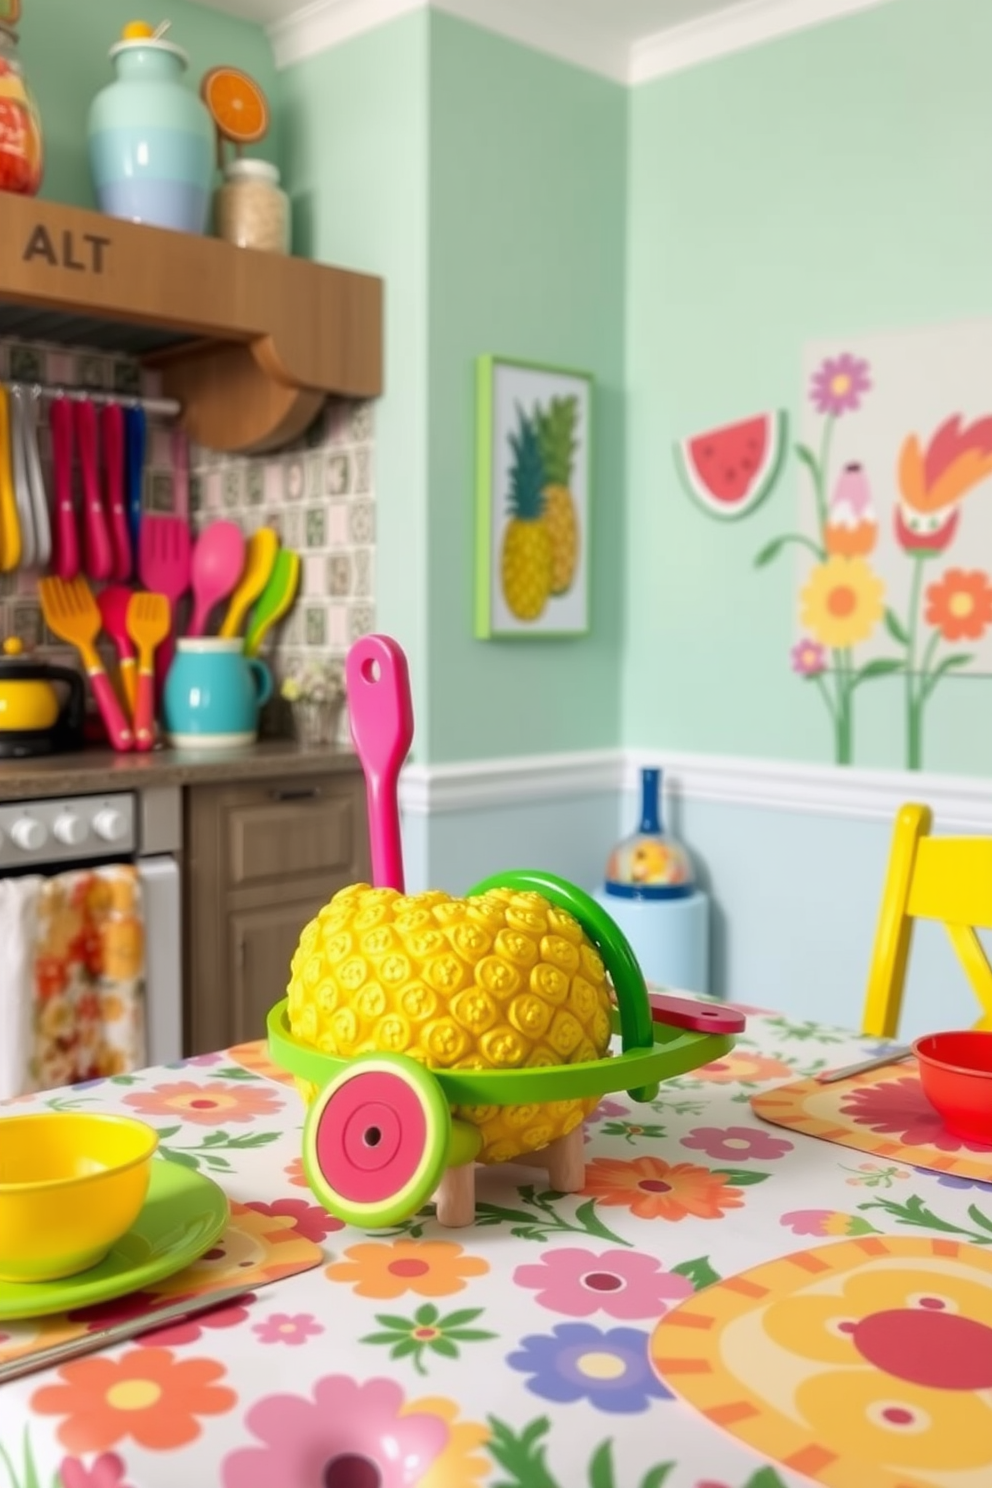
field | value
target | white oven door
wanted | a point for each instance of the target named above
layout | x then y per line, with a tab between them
163	958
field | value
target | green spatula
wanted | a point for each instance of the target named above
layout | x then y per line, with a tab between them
275	599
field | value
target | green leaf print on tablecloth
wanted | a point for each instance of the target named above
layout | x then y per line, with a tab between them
699	1272
537	1222
28	1477
206	1154
631	1131
523	1456
915	1212
427	1332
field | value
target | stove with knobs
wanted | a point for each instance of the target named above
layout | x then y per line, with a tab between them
67	829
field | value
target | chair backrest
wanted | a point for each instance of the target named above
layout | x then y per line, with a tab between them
929	878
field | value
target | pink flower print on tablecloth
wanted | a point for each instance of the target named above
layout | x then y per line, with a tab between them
900	1109
621	1283
607	1108
284	1327
215	1104
311	1221
826	1222
349	1428
136	1304
736	1143
105	1471
294	1172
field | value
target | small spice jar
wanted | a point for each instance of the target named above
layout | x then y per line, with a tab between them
251	209
21	152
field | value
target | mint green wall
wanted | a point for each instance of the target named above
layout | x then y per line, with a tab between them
835	181
527	208
64	45
355	143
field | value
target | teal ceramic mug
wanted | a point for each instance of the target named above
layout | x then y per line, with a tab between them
213	694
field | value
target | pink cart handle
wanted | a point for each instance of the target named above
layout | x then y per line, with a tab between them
381	714
66	537
116	724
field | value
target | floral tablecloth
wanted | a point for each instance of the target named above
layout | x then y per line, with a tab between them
516	1353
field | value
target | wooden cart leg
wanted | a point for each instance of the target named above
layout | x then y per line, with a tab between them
566	1161
455	1197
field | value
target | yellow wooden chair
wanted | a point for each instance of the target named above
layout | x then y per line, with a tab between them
929	878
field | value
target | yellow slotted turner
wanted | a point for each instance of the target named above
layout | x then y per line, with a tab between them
259	560
276	598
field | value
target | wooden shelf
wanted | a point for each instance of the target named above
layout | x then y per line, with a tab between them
250	343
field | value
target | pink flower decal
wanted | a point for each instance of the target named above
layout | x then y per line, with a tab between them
839	384
733	1143
311	1220
899	1108
621	1283
607	1108
284	1327
105	1471
826	1222
808	658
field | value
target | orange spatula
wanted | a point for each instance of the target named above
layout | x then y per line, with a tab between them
149	618
71	613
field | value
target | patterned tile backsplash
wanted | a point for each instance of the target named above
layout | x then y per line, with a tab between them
317	493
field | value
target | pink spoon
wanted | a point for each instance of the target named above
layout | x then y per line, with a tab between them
381	714
218	563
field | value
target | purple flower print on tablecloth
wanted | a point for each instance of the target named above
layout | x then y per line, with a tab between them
899	1108
839	384
736	1143
826	1222
349	1428
576	1361
621	1283
951	1180
283	1327
105	1471
311	1220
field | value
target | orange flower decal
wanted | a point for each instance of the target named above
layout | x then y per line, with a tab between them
934	482
749	1069
430	1268
960	604
654	1189
147	1394
206	1105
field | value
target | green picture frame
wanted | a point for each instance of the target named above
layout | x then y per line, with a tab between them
533	500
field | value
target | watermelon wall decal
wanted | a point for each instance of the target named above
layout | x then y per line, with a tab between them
730	471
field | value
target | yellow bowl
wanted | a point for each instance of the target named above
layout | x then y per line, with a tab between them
70	1185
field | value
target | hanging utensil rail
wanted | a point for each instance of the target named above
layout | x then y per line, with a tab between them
165	408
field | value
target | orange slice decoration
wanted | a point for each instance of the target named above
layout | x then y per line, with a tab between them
236	103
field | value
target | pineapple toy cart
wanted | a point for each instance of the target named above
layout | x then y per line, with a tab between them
380	1138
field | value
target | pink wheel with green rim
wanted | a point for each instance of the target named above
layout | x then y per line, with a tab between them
376	1140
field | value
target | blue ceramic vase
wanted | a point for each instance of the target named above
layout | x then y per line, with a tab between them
151	140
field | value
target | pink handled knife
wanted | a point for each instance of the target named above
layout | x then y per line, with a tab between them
98	558
66	537
112	440
381	714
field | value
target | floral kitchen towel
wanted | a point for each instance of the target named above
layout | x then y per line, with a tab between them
18	908
89	976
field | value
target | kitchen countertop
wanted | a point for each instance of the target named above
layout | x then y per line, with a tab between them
93	771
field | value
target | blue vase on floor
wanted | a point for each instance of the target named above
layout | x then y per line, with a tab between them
151	139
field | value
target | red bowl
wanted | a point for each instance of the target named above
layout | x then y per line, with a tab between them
956	1075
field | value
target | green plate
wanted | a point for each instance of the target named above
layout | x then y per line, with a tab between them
182	1216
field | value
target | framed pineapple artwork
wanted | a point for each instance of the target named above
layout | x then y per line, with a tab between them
532	500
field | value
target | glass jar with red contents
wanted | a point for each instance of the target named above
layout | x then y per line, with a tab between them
21	150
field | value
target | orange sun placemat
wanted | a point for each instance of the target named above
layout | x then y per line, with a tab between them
258	1247
884	1112
862	1364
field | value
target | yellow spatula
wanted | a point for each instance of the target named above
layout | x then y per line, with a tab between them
149	619
261	555
71	613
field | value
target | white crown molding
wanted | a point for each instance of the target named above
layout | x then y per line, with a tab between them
319	24
812	790
322	24
735	29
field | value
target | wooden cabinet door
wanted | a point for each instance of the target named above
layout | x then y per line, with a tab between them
261	947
